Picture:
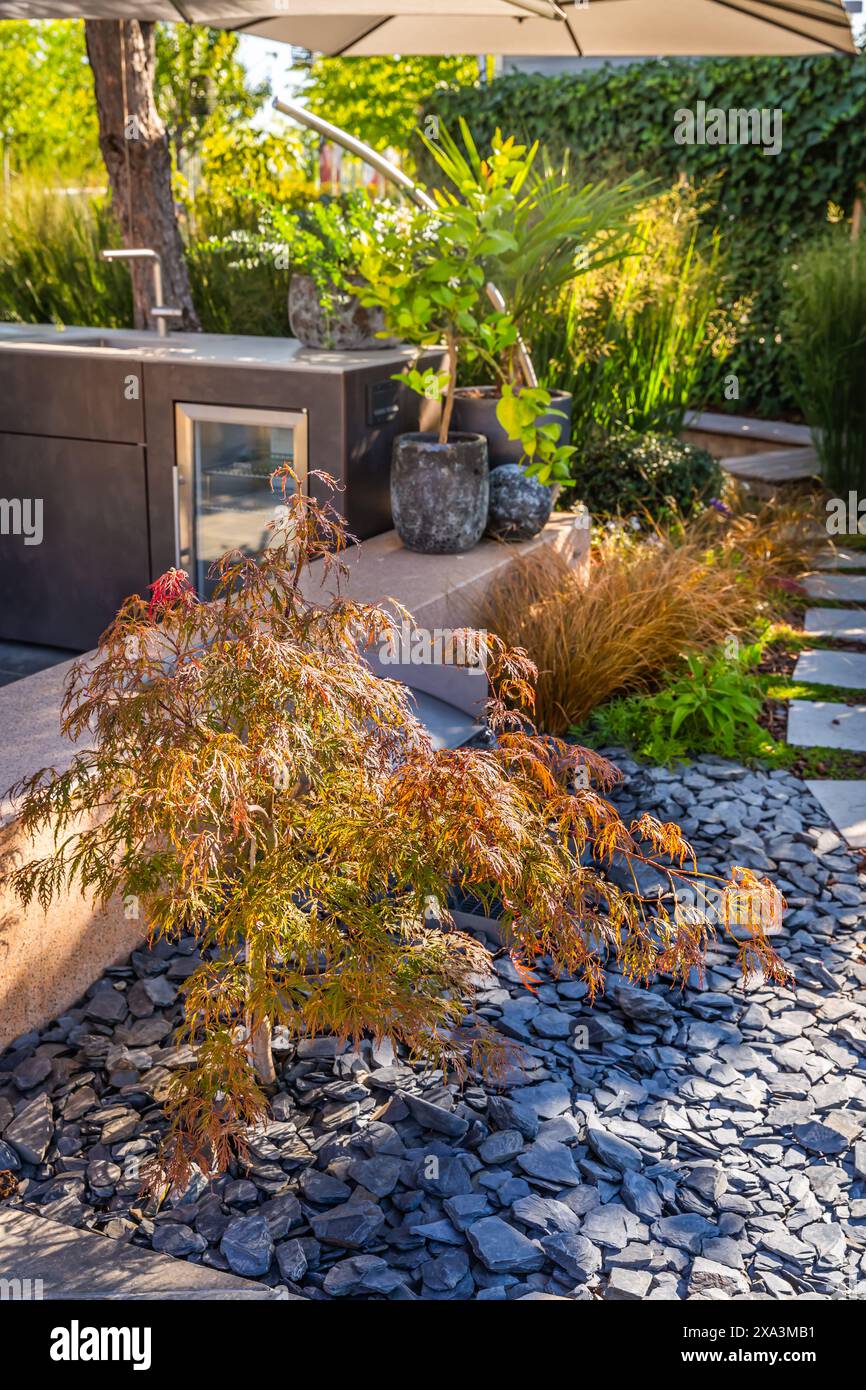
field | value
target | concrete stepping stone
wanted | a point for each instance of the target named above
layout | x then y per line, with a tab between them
832	668
825	724
845	804
841	560
776	466
841	586
74	1264
848	624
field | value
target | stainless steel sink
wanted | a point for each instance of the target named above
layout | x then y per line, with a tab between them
118	340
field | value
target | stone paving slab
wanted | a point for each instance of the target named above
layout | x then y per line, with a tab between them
848	624
845	804
842	560
825	724
846	669
841	586
778	466
78	1264
780	432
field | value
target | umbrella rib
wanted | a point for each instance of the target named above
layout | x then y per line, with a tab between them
799	11
574	38
776	24
359	38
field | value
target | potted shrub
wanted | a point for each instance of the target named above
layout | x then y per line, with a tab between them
430	285
498	220
559	230
252	783
322	241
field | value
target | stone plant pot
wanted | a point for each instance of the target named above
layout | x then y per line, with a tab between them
475	410
440	493
520	507
343	325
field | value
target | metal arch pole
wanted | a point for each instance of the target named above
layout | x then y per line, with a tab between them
419	196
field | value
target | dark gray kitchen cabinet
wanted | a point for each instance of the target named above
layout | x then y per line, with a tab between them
94	548
71	395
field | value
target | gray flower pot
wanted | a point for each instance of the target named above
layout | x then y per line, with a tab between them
520	507
475	410
342	325
440	492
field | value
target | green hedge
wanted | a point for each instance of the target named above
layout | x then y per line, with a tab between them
621	119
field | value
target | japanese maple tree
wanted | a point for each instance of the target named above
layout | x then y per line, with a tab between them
253	783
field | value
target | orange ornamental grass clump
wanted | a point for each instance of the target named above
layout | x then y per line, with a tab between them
253	783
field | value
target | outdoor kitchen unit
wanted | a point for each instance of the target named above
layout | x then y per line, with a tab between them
150	452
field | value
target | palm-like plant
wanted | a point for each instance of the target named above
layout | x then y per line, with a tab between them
547	230
253	783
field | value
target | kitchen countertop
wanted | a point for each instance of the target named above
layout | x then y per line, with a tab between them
219	349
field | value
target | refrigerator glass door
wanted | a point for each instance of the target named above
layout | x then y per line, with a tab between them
225	499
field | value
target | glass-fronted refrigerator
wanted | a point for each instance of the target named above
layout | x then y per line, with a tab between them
224	498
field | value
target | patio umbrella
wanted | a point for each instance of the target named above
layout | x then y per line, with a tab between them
600	28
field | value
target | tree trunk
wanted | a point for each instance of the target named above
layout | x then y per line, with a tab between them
135	148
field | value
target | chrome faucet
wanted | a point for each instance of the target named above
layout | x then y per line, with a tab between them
161	312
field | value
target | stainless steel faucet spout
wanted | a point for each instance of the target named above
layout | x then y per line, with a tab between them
160	311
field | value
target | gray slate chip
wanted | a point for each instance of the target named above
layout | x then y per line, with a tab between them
502	1248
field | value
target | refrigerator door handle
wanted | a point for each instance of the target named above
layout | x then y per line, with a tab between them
175	481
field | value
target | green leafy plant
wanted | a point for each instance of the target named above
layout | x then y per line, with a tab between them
253	783
644	472
826	335
324	238
711	706
520	414
502	219
430	277
621	117
556	229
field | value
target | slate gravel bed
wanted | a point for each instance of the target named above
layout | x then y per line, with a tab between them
664	1145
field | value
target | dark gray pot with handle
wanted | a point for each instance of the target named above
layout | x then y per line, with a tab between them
440	493
475	411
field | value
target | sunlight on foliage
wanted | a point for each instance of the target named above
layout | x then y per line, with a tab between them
252	783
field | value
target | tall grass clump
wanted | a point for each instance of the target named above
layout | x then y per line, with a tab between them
825	325
643	606
633	340
50	270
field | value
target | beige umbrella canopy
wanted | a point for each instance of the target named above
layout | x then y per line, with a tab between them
600	28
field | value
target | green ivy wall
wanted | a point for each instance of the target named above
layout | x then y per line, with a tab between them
621	119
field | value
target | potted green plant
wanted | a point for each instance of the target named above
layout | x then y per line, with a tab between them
322	243
561	229
428	278
498	220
